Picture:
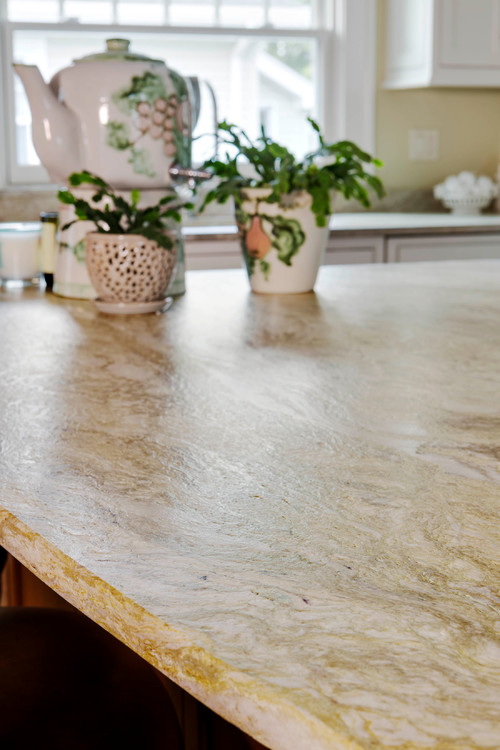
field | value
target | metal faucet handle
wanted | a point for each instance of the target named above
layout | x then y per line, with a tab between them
192	176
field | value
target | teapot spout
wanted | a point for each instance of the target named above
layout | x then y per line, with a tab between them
54	127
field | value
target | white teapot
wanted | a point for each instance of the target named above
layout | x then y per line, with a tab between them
122	116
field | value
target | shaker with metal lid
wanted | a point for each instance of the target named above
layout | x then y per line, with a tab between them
48	246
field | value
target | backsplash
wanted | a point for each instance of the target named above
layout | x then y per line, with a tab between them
27	205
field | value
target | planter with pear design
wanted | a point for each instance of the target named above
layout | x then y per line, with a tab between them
283	205
282	246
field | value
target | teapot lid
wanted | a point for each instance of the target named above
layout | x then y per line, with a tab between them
117	49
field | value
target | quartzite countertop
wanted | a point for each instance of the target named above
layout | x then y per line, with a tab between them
290	505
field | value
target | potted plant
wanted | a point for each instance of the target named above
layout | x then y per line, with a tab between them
131	255
283	205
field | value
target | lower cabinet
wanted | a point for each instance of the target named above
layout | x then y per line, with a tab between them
358	249
226	253
205	253
442	247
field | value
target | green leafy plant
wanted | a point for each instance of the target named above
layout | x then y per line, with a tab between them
332	167
118	215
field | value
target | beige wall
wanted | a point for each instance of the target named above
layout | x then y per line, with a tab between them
468	121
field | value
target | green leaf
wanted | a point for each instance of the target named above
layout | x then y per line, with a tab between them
167	199
314	124
278	169
157	235
84	178
66	197
121	216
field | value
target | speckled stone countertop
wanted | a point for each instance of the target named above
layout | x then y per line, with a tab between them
290	505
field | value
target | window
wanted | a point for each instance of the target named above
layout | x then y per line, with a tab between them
264	62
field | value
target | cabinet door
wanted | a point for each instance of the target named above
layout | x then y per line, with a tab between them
354	250
469	33
446	247
203	254
409	43
442	43
467	49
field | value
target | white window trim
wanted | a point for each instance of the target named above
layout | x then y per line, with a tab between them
3	118
351	57
354	66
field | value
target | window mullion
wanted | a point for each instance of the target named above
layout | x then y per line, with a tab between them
319	14
266	12
8	125
352	66
3	119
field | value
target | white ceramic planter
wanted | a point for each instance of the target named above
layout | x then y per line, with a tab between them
71	278
129	272
282	246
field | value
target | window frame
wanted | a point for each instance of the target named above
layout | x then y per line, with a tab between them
346	98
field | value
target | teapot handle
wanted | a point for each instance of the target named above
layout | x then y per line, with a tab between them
194	88
194	96
216	118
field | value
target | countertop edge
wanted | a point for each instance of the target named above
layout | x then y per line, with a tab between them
232	695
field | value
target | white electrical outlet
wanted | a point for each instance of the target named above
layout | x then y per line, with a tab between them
424	145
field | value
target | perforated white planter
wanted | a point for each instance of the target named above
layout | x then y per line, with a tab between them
128	268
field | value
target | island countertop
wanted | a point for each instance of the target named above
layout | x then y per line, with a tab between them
288	504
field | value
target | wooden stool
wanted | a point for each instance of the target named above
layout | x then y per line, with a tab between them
66	684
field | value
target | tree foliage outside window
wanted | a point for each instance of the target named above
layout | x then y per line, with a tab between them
296	55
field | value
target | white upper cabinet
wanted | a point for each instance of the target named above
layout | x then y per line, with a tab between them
442	43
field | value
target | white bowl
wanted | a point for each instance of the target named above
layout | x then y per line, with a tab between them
466	206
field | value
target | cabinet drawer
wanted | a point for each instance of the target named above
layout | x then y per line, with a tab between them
226	253
209	254
368	249
456	247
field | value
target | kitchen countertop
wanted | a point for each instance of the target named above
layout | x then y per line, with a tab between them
351	224
290	505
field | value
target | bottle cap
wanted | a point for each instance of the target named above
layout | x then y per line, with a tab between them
49	216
